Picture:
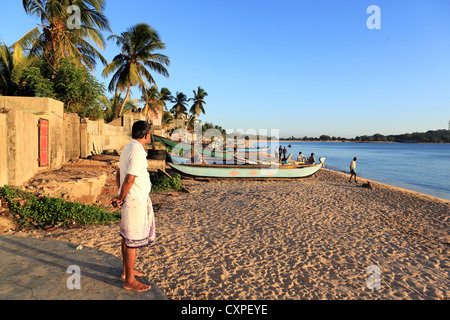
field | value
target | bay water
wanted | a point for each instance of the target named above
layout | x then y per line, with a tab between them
419	167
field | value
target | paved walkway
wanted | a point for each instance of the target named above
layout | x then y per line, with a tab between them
42	269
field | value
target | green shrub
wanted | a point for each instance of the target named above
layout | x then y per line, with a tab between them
46	211
161	183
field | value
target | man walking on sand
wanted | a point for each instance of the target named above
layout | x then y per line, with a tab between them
137	227
353	169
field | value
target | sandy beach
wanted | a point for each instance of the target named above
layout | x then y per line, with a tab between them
306	239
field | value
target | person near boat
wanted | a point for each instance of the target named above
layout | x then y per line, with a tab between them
301	157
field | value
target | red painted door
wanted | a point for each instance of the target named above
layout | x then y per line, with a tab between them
43	142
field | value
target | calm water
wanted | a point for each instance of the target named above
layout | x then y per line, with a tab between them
423	168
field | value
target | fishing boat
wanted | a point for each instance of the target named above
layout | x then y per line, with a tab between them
247	171
187	147
209	152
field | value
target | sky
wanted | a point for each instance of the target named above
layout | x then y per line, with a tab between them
304	68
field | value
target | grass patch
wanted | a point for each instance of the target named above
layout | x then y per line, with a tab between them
46	212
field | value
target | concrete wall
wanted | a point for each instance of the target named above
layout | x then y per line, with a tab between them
3	150
23	154
69	136
97	136
19	147
72	136
21	125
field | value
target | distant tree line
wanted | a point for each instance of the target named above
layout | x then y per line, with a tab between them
431	136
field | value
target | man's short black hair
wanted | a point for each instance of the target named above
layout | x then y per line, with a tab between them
140	129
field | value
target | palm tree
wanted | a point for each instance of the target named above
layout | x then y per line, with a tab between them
180	108
190	124
54	40
111	106
153	103
165	95
199	101
167	119
137	44
13	63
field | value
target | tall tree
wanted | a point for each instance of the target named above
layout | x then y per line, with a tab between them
180	107
199	102
167	119
55	39
13	63
165	95
111	106
70	83
153	103
131	67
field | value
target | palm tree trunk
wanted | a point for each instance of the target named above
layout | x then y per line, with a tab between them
151	134
124	101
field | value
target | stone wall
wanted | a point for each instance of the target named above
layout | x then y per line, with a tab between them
72	136
20	122
69	137
3	150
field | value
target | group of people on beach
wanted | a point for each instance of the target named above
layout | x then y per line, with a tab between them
281	153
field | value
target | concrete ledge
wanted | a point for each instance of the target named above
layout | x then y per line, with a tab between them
37	269
72	186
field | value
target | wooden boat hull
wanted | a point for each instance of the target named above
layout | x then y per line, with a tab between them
246	171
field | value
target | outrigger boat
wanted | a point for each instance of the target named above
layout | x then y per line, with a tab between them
187	147
225	154
248	171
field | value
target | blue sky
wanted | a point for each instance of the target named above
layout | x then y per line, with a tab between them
304	67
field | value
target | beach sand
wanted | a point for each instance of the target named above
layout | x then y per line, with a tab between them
306	239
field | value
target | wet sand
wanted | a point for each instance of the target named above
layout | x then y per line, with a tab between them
306	239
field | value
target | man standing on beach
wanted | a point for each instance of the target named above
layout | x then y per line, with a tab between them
353	169
137	227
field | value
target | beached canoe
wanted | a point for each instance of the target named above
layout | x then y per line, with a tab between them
227	154
287	171
186	147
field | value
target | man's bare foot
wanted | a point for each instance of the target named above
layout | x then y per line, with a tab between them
137	273
136	286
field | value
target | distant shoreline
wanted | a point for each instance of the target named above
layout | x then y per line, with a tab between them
346	141
350	141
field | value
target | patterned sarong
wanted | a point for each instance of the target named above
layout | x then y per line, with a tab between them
137	225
